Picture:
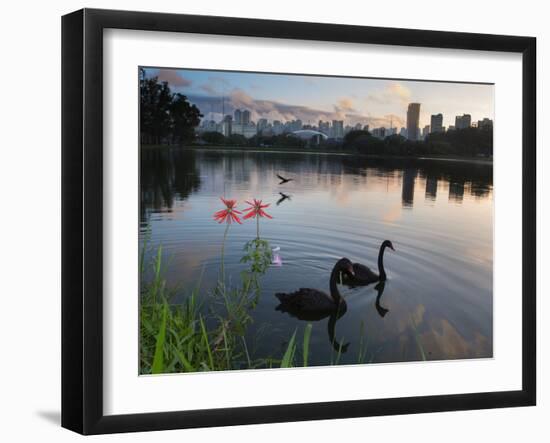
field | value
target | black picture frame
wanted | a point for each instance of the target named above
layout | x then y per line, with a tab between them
82	220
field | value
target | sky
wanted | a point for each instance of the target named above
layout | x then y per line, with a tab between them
285	97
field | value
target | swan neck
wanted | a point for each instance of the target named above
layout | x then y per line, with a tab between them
381	269
334	292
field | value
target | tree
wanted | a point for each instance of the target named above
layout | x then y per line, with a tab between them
164	116
363	142
466	142
185	117
352	136
214	138
236	140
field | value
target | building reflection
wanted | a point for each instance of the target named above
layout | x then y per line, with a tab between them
431	188
407	192
456	191
171	175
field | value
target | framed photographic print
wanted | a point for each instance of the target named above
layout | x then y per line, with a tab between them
269	221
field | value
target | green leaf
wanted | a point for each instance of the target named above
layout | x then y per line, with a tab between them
288	357
158	360
205	338
307	335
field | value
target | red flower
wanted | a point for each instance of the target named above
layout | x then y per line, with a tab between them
228	214
256	209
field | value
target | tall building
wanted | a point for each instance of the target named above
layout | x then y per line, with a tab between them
403	132
227	125
379	133
278	127
262	124
436	123
238	116
247	131
245	117
413	119
324	127
486	123
337	128
425	131
463	121
295	125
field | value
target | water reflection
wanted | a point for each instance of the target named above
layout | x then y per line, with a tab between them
438	215
309	316
379	308
456	191
283	198
169	174
166	175
407	194
431	188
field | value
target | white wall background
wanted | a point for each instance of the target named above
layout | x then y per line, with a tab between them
30	219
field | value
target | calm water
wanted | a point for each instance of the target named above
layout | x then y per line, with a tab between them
437	213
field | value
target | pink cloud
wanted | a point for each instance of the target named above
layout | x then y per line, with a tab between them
173	78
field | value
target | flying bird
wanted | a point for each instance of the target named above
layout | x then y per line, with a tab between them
283	198
284	180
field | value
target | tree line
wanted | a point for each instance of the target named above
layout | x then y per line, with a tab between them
468	142
166	117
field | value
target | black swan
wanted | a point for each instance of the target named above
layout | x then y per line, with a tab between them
312	304
284	180
365	276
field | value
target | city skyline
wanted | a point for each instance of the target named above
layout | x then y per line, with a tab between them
286	97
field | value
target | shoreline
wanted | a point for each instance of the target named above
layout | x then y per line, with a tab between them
256	149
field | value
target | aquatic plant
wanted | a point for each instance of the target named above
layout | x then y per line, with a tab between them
229	213
226	215
257	251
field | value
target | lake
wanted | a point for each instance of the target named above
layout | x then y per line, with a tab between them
437	303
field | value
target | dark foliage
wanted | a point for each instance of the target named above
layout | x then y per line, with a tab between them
165	117
468	142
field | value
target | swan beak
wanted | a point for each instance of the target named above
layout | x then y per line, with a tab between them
391	247
351	271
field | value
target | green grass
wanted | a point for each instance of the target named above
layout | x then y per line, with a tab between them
187	337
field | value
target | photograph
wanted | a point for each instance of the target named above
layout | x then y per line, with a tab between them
291	220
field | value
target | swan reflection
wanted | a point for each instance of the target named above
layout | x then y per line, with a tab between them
309	304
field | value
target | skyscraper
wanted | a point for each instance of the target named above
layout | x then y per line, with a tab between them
425	132
277	127
463	122
238	116
413	119
227	125
262	125
436	123
486	123
337	128
245	117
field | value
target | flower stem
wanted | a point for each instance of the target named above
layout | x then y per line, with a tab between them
257	227
223	252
